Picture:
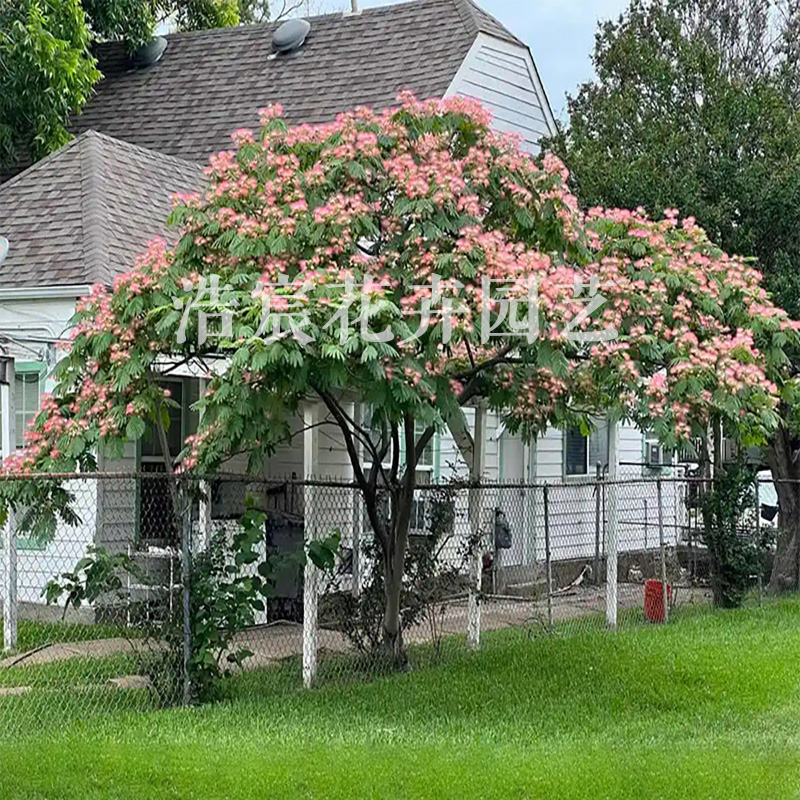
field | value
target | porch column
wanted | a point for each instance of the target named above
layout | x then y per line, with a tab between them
204	510
310	577
358	509
9	575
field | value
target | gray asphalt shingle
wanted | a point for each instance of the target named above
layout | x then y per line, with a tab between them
82	214
209	83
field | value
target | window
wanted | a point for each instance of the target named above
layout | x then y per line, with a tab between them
426	459
576	452
656	455
150	443
27	397
582	453
157	526
28	378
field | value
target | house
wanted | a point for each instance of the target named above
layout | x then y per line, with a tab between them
80	216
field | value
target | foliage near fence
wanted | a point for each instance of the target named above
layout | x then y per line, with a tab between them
134	602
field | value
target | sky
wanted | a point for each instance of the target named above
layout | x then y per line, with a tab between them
560	34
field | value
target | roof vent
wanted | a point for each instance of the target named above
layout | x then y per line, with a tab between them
291	35
148	54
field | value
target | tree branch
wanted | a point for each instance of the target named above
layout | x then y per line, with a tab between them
484	365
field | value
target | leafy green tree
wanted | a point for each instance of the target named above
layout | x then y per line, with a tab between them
46	73
134	21
695	106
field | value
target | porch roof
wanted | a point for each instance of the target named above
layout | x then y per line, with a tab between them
81	215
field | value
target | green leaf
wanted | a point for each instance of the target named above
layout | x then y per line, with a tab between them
135	428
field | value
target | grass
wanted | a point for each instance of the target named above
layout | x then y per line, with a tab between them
708	707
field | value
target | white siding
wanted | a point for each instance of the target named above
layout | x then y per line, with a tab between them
503	77
30	325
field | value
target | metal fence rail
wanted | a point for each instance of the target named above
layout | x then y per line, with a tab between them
108	606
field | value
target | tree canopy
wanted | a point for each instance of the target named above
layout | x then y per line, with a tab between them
356	257
392	259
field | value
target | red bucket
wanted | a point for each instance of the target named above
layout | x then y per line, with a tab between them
654	600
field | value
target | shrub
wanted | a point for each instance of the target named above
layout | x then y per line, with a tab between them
729	532
223	598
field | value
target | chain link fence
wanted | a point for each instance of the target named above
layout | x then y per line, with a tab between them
149	586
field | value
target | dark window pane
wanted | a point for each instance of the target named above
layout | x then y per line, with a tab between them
157	522
151	446
575	456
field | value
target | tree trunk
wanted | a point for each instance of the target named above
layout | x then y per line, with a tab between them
392	630
784	464
394	560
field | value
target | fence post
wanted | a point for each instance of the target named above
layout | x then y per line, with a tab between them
663	549
10	584
758	541
186	571
310	598
597	521
613	524
358	512
475	502
9	574
548	558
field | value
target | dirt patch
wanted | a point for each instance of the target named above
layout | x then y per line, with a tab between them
273	643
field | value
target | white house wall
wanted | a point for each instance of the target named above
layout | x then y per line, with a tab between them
32	325
572	502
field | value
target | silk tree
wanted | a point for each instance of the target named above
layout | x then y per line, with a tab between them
415	262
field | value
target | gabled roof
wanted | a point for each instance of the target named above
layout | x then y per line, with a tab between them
81	215
209	83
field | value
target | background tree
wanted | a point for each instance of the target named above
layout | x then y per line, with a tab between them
252	11
135	21
695	106
46	73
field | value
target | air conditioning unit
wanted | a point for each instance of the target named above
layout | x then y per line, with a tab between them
657	456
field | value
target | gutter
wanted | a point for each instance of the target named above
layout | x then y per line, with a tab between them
45	292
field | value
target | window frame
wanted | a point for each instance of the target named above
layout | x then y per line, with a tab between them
28	543
143	461
142	458
565	449
431	469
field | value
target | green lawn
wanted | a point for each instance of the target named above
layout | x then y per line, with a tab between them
708	707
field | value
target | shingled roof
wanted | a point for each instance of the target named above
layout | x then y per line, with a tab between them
209	83
81	215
